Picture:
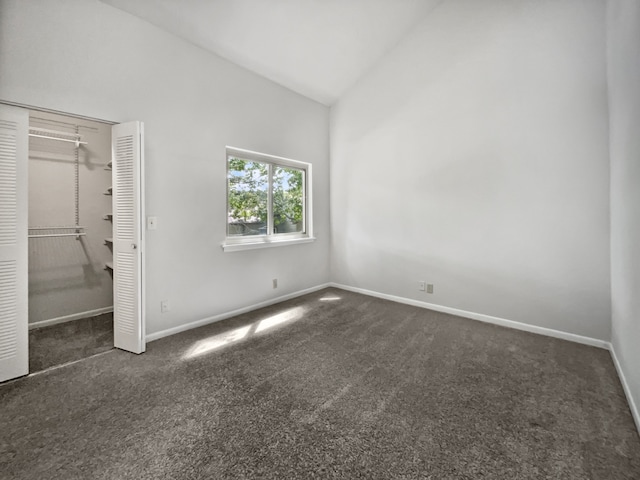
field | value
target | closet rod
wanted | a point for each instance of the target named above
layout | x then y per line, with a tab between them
72	227
77	142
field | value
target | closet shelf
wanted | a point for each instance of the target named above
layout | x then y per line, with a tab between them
108	241
108	266
44	232
109	191
109	166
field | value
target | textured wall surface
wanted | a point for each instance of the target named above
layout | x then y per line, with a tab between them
475	157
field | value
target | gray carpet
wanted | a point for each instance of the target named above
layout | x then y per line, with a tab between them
69	341
330	385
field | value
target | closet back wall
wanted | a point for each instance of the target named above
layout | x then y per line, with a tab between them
66	274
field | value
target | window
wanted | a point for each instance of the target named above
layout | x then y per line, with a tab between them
268	200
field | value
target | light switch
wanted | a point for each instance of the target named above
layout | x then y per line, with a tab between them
152	223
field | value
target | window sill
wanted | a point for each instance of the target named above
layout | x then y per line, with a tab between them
235	247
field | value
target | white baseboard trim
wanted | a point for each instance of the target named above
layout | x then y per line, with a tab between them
69	318
594	342
633	406
222	316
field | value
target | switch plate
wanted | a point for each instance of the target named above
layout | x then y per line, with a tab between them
275	283
164	306
421	285
152	223
430	288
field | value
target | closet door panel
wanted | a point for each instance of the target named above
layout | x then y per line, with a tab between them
127	147
14	336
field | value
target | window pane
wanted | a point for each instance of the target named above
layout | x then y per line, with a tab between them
288	195
248	186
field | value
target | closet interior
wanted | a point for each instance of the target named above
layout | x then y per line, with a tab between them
70	239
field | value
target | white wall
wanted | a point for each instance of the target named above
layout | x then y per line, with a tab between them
84	57
475	156
623	53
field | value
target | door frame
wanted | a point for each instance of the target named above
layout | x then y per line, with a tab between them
142	220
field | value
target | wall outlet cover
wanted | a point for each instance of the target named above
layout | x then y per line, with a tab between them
164	306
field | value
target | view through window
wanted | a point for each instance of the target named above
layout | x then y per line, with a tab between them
266	196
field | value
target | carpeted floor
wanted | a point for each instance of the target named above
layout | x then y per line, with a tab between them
69	341
329	385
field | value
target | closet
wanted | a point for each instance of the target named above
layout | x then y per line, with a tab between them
70	239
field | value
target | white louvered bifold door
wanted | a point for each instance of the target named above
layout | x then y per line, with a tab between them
128	305
14	322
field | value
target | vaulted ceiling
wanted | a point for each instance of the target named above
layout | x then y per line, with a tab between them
318	48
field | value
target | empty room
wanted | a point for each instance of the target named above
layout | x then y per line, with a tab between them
297	239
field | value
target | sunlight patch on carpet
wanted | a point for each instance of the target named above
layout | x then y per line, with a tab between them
291	314
330	298
213	343
220	340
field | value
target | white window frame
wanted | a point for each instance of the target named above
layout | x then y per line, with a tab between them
249	242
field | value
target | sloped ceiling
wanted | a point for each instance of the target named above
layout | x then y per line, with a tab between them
318	48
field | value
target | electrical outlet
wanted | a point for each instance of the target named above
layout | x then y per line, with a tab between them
275	283
421	285
164	306
430	288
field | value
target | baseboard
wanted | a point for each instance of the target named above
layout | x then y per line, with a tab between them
69	318
594	342
222	316
633	406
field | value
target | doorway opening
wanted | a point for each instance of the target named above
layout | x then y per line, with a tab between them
70	235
